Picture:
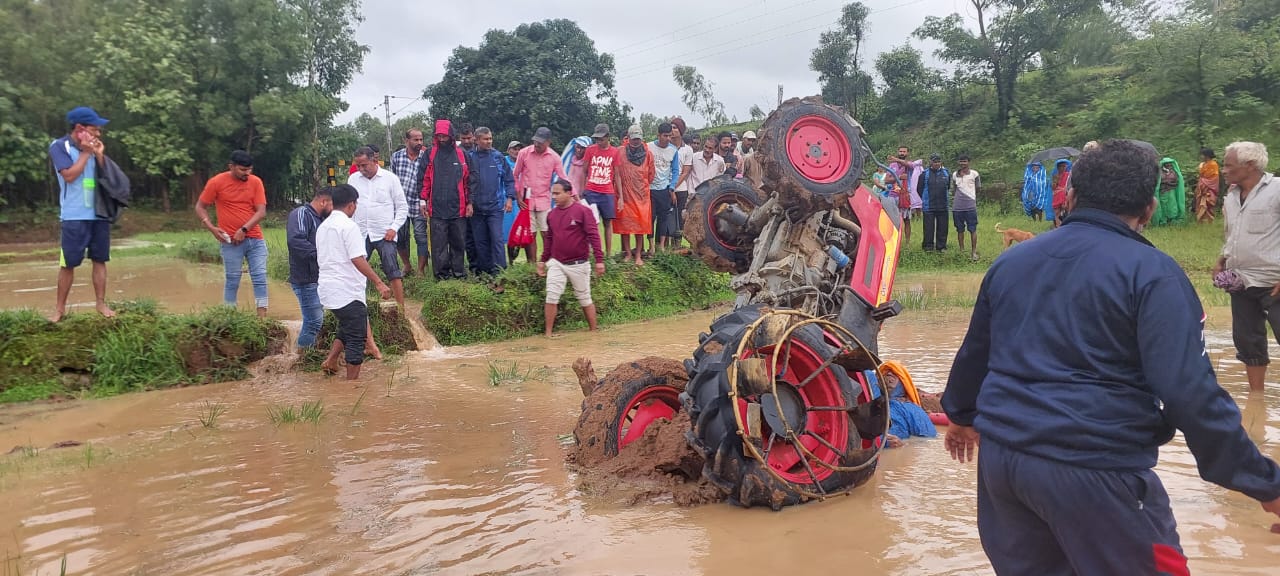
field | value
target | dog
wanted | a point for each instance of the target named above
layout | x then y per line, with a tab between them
1012	235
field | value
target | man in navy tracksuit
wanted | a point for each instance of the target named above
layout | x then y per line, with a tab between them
492	199
1084	354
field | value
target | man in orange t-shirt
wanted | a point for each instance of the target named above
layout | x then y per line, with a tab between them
241	203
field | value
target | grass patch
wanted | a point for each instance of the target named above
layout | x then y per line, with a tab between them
360	400
142	348
210	413
462	312
311	412
500	374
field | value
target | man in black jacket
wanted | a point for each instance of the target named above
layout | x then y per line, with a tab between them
304	271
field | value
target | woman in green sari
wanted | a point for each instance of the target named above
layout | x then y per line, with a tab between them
1171	191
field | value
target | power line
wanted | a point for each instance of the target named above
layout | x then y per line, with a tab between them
638	70
411	103
730	25
664	61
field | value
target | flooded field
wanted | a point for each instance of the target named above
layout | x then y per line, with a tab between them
428	468
179	285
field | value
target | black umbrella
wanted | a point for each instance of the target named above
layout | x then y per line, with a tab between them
1046	156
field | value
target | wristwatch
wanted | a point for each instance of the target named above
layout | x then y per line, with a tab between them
243	229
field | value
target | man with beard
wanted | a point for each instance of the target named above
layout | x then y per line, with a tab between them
732	163
448	177
240	201
634	217
406	163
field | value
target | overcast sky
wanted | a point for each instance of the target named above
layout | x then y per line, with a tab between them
746	47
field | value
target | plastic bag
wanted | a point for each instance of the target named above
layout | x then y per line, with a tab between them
521	231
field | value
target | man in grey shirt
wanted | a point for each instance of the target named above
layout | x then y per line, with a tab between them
1252	251
964	205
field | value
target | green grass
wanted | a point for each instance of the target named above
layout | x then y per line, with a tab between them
142	348
210	413
500	373
360	400
462	312
311	412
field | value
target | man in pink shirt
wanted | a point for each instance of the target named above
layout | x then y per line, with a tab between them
535	165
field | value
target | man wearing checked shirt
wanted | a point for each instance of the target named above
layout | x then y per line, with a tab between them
405	163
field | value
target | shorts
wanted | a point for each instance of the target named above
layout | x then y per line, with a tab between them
605	203
577	274
353	326
81	235
387	255
965	220
538	220
1251	311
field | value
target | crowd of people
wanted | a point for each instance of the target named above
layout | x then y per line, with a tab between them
933	194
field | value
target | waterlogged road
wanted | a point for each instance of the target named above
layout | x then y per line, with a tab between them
428	469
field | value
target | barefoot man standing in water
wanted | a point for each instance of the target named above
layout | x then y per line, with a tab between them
76	158
343	272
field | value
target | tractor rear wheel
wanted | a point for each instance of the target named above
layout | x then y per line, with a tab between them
807	387
811	153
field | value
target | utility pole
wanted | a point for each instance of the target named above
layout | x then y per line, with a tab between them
386	107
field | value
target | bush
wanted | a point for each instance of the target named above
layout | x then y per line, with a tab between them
462	312
141	349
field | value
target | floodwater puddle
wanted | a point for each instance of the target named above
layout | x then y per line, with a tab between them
427	468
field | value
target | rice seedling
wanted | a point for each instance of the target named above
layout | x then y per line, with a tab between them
210	413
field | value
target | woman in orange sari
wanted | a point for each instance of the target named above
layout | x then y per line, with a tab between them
1207	187
635	213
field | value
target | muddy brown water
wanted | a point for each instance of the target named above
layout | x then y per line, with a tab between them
428	469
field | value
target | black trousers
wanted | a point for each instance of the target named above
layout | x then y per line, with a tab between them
1251	311
935	230
448	245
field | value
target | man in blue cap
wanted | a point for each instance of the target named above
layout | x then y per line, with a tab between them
76	158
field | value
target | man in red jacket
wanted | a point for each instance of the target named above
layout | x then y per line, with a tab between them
571	236
447	181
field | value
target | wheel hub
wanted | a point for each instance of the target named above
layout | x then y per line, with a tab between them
819	150
783	410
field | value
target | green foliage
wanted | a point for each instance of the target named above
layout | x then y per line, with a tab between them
210	413
141	349
202	250
312	412
461	312
837	60
698	94
545	73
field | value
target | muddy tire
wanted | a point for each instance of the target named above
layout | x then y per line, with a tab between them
628	398
810	153
715	436
721	250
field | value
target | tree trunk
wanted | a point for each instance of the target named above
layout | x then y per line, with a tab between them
164	195
1004	96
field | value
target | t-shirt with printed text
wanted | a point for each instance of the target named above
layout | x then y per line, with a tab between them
235	201
601	165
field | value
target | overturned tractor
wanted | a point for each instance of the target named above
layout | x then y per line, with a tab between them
784	400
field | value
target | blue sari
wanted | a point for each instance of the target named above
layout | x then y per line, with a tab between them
1037	194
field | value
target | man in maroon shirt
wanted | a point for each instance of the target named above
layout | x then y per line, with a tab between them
571	236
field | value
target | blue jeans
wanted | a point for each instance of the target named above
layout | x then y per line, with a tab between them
312	313
255	251
491	249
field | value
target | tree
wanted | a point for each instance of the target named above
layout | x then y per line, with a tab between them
699	95
540	74
756	113
1010	34
908	86
649	123
836	59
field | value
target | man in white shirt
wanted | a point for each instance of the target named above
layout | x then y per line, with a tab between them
1251	254
662	193
705	166
340	252
383	210
685	154
964	205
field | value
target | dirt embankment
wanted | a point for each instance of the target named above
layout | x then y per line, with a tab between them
658	465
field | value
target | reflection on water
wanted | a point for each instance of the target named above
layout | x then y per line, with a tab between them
427	469
181	286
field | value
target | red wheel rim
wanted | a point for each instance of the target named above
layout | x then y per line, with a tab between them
650	405
831	426
819	149
723	199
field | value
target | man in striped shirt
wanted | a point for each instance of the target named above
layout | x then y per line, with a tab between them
405	163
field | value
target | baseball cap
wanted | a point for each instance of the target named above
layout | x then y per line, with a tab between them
514	144
85	115
542	134
635	132
749	135
602	130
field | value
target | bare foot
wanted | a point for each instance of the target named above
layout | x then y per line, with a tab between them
555	336
639	262
58	314
106	311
